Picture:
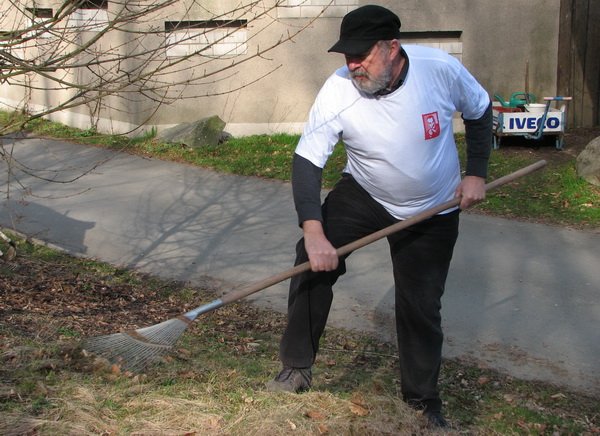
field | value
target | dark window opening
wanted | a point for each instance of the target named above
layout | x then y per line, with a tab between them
440	34
40	12
171	26
91	4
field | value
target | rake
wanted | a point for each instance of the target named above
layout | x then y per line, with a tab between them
134	350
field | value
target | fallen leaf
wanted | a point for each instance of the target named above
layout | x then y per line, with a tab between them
523	424
483	380
315	414
358	410
358	399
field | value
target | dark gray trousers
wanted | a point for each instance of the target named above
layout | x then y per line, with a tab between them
421	257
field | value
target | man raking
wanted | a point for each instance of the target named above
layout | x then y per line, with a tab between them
392	105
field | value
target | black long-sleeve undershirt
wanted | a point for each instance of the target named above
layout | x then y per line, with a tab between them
306	188
478	136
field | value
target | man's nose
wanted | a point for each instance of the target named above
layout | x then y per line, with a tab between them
352	66
353	62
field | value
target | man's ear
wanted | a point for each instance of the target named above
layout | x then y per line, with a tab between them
395	48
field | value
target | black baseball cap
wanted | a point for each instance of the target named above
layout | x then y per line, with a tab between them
363	27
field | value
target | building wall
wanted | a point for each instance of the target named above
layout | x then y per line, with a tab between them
497	41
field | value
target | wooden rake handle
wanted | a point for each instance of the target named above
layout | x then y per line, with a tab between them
247	290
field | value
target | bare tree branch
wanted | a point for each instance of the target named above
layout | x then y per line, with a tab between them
115	56
85	55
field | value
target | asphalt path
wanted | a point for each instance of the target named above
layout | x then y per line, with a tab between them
521	298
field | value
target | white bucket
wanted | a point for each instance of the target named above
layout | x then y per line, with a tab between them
535	107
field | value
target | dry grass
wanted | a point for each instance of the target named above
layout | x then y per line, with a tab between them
132	406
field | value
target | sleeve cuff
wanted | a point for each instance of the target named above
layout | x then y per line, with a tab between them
477	167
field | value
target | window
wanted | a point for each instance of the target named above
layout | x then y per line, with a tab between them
90	15
448	41
38	17
315	8
213	38
43	13
93	4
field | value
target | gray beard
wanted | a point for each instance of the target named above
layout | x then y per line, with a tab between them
372	85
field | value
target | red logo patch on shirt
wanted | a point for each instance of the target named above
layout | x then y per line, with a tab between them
431	124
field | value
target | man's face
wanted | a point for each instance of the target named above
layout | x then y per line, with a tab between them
372	71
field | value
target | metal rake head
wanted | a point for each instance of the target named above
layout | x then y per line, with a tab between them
136	349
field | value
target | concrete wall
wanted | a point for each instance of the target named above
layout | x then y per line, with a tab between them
503	37
495	40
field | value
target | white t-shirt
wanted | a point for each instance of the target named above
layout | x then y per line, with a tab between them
400	146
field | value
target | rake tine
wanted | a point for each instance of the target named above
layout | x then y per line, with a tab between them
136	349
